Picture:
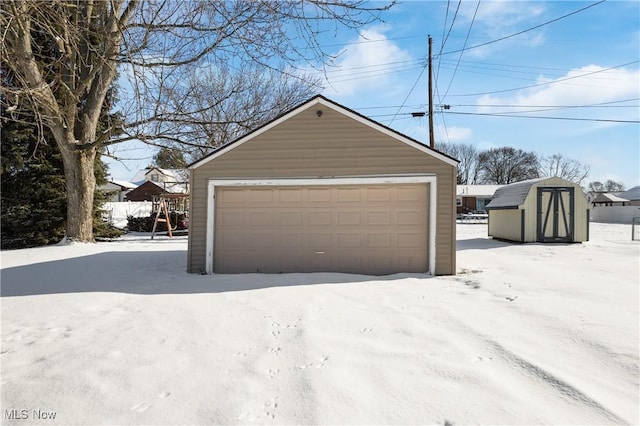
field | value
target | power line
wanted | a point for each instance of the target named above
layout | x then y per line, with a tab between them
549	82
462	51
527	30
409	94
605	120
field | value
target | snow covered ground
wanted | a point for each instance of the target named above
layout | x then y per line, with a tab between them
118	333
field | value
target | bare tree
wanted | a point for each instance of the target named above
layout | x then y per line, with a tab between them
566	168
228	103
608	186
468	157
506	165
154	44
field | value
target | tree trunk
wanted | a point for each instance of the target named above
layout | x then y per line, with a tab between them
81	184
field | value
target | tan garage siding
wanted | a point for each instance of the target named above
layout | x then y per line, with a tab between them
334	144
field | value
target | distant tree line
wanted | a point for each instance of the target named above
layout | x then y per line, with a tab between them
505	165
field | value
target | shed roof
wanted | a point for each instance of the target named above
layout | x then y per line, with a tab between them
513	195
319	99
631	194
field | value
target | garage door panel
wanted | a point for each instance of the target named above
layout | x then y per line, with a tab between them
349	240
410	218
290	218
378	194
349	218
348	194
370	229
407	240
261	239
319	195
380	217
319	218
290	195
231	218
320	240
262	218
291	240
262	195
379	240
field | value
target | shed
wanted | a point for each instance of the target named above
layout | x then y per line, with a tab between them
539	210
323	188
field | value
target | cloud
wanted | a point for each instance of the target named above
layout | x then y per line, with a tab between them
454	134
588	85
373	60
497	19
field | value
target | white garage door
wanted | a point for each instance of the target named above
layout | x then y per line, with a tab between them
365	229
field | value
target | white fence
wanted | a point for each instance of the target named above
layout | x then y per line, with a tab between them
614	214
116	212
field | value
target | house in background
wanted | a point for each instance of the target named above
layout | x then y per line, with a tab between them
116	189
145	192
322	188
174	181
633	195
609	199
474	198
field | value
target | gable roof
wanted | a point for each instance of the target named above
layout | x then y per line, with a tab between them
631	194
513	195
321	100
608	198
122	183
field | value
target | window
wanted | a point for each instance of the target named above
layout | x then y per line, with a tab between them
154	177
459	201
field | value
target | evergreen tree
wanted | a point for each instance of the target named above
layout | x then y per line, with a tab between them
33	209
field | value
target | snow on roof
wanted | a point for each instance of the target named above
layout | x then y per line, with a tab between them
631	194
123	183
477	190
609	198
512	195
176	175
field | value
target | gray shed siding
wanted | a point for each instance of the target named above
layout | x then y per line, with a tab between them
308	146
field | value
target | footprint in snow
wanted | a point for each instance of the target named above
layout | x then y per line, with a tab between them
482	359
275	350
366	330
141	407
164	394
511	299
315	364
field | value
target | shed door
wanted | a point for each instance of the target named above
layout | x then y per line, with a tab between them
365	229
555	214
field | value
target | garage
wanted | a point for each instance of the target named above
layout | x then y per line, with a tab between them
373	229
323	189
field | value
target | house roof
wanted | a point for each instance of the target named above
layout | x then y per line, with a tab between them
477	190
122	183
513	195
178	175
319	99
609	198
631	194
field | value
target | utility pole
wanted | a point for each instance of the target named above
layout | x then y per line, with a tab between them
432	142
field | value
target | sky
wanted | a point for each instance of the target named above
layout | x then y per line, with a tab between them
564	80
